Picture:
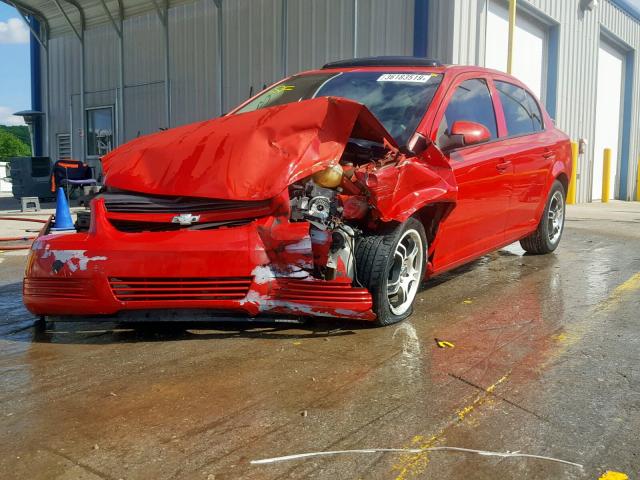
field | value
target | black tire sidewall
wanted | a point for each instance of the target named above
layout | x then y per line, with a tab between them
381	300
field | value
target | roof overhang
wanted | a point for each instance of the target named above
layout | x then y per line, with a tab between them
93	11
48	11
629	6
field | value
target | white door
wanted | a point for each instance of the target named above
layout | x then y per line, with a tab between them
608	116
530	47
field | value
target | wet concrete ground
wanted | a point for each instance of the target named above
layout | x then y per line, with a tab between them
546	362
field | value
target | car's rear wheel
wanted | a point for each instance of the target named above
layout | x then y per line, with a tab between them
40	325
391	265
547	236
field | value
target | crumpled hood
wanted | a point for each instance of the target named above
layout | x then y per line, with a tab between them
248	156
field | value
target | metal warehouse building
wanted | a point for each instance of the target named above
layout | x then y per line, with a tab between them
107	71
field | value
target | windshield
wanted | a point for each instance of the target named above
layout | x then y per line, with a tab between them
398	100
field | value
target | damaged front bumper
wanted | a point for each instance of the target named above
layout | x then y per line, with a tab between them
261	268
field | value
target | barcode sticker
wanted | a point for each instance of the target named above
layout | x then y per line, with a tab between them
405	77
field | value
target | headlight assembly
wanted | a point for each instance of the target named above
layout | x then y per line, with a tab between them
330	177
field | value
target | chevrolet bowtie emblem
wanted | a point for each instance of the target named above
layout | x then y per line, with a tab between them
185	219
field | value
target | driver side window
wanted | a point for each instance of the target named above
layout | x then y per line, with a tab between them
470	102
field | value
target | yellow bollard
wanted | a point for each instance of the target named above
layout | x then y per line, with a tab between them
573	186
638	182
606	175
513	8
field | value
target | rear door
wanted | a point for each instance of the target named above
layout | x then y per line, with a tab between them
531	154
477	223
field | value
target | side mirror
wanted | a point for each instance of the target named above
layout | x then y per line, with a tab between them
417	144
465	133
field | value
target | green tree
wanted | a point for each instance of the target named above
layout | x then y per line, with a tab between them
20	131
11	146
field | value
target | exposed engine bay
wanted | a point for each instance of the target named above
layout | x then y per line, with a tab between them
336	202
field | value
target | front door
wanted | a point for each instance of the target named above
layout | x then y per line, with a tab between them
477	223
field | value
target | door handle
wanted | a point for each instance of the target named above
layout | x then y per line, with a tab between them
503	167
548	154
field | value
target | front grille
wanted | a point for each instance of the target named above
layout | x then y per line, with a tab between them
136	213
70	288
332	293
130	226
132	289
133	226
137	203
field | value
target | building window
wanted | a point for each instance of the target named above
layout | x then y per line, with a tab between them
99	131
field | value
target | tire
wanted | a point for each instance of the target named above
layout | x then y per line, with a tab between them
380	265
40	325
547	236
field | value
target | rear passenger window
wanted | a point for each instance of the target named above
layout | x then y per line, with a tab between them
521	111
471	102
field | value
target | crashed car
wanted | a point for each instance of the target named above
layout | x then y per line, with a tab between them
333	193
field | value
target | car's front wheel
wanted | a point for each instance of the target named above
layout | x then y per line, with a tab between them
391	265
547	236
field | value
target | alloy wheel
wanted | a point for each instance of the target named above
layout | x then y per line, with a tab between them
406	272
556	217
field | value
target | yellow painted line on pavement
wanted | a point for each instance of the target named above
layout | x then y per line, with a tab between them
621	291
482	398
414	464
609	475
576	331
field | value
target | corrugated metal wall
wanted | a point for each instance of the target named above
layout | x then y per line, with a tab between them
262	41
385	28
144	99
193	36
441	30
318	32
253	47
579	37
64	77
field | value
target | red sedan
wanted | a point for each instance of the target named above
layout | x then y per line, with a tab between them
334	192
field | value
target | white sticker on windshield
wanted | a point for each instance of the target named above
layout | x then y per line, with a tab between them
405	77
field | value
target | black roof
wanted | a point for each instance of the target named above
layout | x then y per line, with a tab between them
384	62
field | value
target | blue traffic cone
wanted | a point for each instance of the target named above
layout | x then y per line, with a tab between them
63	214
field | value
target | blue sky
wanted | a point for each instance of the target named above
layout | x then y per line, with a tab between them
635	3
15	82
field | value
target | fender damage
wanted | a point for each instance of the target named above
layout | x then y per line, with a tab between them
278	198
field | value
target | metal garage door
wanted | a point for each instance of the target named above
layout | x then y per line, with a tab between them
608	115
530	46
